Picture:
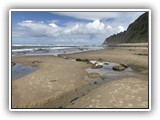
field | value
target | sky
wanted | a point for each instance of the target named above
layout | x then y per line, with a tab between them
68	28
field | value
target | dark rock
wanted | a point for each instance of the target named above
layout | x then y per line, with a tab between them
85	60
118	68
106	63
124	65
95	82
78	59
52	80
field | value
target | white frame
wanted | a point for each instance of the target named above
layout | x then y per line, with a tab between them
81	10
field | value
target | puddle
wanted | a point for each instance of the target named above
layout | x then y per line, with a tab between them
19	71
106	73
102	71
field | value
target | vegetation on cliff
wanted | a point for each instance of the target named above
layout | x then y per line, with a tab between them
137	32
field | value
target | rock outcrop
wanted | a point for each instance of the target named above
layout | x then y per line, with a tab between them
118	68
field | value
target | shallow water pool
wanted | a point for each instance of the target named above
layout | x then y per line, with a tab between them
19	71
107	73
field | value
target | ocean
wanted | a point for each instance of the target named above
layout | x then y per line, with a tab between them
29	50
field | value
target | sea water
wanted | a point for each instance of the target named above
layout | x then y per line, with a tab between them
51	49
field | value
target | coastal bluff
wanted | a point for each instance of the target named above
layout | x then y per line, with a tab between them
137	32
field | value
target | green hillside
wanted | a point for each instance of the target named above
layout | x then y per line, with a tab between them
137	32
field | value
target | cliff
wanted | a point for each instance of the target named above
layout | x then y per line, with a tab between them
137	32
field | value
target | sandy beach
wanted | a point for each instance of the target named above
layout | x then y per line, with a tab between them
60	82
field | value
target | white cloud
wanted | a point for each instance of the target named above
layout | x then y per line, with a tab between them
121	28
109	27
54	25
98	29
28	21
96	25
91	28
52	30
39	29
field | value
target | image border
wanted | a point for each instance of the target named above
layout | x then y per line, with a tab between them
79	109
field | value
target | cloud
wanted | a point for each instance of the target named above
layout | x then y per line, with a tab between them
101	25
91	28
100	15
121	28
37	29
51	30
97	25
109	27
113	19
28	21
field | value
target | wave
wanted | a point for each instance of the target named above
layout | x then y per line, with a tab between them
51	50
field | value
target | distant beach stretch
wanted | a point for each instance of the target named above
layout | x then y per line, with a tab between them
80	60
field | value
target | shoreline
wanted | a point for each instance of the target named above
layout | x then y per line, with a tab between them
60	82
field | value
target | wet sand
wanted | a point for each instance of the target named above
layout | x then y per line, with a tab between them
61	83
123	93
53	85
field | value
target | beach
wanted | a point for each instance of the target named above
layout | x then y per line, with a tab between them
63	82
